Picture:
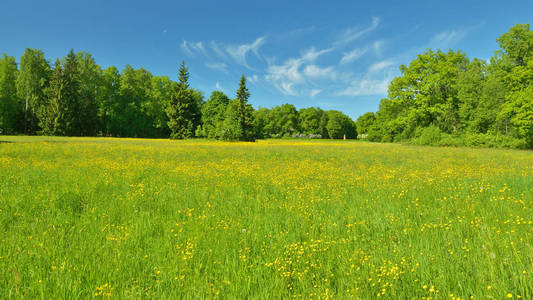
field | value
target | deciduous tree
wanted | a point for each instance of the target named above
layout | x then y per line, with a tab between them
9	104
32	79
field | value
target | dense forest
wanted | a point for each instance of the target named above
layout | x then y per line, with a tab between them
444	98
75	97
440	98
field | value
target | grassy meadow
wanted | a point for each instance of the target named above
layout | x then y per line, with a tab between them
139	218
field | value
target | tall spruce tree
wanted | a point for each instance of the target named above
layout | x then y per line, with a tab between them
180	108
72	98
245	111
51	114
239	121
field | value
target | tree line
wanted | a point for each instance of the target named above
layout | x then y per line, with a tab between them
76	97
440	98
444	98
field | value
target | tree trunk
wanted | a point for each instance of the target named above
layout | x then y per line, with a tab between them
26	117
506	132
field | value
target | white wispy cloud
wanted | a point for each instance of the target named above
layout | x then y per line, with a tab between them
287	87
289	71
314	92
218	49
448	39
192	48
312	54
366	87
351	34
239	52
295	71
236	52
378	46
328	105
380	73
374	82
353	55
315	71
186	48
307	74
218	87
381	65
375	48
311	73
217	66
253	79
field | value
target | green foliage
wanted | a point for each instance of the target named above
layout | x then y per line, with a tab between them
133	103
430	135
312	121
286	117
245	110
239	120
179	123
261	119
90	78
340	125
462	98
365	122
439	98
158	97
52	113
9	105
109	100
213	115
183	108
481	140
32	79
472	112
280	121
518	108
426	93
286	121
183	76
196	108
71	96
78	98
131	118
517	44
231	129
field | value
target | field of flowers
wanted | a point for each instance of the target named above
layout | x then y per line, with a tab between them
132	218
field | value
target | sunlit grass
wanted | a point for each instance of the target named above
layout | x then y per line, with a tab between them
136	218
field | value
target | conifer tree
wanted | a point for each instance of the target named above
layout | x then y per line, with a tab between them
51	114
245	112
239	121
73	109
180	108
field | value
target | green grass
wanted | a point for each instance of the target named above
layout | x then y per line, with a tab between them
132	218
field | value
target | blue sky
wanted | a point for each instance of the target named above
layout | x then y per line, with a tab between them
332	54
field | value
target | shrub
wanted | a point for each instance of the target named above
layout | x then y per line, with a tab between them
430	136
